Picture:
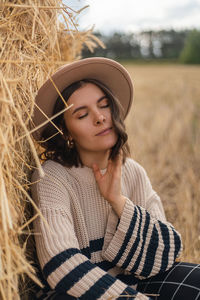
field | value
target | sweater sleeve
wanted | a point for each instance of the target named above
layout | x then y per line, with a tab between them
64	266
142	242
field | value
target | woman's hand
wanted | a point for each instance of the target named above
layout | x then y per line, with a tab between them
110	183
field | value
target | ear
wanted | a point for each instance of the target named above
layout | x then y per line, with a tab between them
69	137
66	134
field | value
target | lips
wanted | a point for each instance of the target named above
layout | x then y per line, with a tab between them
104	132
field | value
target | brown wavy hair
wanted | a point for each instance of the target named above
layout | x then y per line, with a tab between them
55	144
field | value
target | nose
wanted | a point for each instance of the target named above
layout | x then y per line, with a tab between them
100	119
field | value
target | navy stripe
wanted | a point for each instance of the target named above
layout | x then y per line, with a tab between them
151	252
105	265
96	245
127	292
74	276
127	237
127	279
99	288
58	260
144	235
165	235
86	251
135	244
177	243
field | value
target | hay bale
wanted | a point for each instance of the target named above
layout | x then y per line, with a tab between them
33	44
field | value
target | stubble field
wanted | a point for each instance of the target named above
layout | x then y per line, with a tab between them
164	136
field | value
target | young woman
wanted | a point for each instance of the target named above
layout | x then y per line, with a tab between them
106	235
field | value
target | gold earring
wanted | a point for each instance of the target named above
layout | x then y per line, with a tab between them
70	144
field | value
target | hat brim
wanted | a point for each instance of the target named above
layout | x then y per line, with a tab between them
108	71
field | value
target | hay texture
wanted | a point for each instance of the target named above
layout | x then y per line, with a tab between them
35	38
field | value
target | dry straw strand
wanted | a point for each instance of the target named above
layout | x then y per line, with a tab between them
33	43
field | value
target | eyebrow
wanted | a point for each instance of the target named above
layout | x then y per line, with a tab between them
84	106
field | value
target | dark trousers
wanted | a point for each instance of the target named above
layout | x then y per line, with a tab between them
181	282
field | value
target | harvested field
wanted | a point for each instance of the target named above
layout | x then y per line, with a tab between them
164	135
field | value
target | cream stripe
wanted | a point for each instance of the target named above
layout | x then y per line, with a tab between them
63	270
119	236
137	253
131	241
96	257
172	248
138	250
114	290
141	265
86	282
159	253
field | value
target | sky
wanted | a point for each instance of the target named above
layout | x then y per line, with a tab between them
133	16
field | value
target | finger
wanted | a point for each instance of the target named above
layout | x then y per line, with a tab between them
96	171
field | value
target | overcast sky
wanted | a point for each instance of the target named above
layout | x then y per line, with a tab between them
132	15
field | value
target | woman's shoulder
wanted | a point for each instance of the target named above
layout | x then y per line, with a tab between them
134	171
49	167
133	166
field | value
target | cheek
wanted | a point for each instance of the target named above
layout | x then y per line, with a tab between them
108	115
77	130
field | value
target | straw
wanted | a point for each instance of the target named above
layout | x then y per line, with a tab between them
33	44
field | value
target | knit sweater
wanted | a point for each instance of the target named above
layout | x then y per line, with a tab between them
84	249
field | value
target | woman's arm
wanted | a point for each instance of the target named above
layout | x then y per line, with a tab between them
143	243
64	266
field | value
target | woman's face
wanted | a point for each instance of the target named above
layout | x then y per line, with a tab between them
89	120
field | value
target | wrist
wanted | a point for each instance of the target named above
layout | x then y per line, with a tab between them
118	205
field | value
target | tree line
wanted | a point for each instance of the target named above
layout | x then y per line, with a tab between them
183	46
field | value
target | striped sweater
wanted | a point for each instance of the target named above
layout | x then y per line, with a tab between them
84	250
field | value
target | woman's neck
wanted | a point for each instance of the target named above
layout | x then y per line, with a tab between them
99	158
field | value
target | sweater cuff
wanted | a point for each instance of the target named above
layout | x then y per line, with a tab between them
116	230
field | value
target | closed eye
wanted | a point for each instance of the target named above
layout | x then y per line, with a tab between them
104	106
83	116
104	103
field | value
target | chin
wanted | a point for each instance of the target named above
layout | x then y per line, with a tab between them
112	143
109	145
103	145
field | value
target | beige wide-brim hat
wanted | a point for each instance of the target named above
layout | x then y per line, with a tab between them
108	71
